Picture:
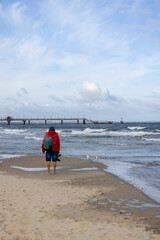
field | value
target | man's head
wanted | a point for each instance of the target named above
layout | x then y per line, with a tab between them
51	129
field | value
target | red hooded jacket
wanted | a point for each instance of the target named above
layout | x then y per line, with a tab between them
56	140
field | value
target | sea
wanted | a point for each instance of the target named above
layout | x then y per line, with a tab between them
130	151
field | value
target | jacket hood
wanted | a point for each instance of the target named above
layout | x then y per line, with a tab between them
52	133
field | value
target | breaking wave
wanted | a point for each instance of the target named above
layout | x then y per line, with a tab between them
13	131
34	138
138	128
157	130
104	132
152	139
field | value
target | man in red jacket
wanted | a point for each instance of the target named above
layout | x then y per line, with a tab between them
52	154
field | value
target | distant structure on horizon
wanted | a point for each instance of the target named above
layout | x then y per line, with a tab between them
121	121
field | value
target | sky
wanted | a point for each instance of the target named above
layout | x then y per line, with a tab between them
98	59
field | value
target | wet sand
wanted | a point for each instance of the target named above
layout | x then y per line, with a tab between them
81	201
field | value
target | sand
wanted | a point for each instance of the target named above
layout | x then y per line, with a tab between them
73	204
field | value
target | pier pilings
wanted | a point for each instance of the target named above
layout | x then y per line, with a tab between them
28	120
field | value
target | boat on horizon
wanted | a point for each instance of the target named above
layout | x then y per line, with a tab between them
97	122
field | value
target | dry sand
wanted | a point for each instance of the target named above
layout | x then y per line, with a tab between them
72	204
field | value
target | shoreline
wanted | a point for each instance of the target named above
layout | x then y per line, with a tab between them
89	195
137	186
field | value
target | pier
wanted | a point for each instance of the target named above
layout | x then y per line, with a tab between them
45	120
25	120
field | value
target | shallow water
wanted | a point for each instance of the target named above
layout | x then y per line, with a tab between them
38	169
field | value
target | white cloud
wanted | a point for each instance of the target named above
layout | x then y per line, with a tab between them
91	27
16	12
91	93
26	53
32	51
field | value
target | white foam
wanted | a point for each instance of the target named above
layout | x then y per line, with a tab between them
143	205
152	139
59	131
13	131
104	132
135	204
138	128
85	169
134	134
4	156
34	169
157	130
89	131
117	143
33	138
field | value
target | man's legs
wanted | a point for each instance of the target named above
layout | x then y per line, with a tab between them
48	166
54	167
54	162
48	160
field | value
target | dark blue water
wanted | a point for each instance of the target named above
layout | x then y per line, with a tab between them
130	150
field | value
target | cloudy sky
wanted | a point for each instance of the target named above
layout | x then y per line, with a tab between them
94	58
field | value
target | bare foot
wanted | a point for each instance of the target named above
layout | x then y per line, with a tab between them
47	173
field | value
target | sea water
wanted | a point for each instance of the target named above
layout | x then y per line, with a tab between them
130	150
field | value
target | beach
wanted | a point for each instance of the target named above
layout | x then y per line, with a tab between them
82	201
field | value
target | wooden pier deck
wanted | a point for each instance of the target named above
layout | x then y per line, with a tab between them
45	120
29	120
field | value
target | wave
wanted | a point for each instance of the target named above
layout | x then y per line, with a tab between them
132	134
154	163
33	138
152	139
4	137
89	131
120	144
66	131
103	132
13	131
148	164
157	130
138	128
